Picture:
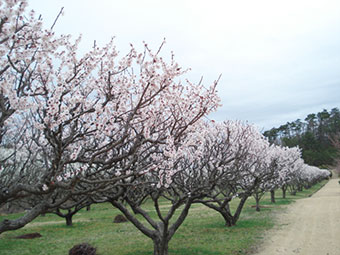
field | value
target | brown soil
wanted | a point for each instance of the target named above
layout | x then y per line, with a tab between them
311	226
29	236
119	219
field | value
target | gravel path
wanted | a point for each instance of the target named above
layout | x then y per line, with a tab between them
311	226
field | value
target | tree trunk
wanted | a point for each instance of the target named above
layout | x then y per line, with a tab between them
284	189
69	219
257	199
227	218
293	190
7	224
230	220
272	196
238	211
162	232
160	246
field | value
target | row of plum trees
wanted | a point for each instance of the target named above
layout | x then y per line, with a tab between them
76	130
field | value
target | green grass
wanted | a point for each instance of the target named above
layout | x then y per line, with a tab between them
202	233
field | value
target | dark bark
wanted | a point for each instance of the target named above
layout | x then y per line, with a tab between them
161	232
284	189
69	219
239	209
71	207
228	219
7	224
160	247
68	216
223	208
272	196
146	231
257	200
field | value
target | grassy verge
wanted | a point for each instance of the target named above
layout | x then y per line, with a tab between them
203	232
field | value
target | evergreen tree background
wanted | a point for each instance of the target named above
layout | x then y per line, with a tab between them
314	136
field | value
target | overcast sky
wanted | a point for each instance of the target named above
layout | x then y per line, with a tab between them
279	60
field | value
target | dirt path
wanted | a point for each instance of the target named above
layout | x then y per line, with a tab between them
38	224
311	226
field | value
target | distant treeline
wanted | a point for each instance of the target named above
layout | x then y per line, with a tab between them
313	135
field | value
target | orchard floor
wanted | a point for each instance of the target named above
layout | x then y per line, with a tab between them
311	226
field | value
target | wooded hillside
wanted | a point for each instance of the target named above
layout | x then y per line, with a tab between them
313	135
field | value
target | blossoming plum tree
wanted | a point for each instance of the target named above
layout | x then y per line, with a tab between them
288	162
235	151
25	50
182	180
86	123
